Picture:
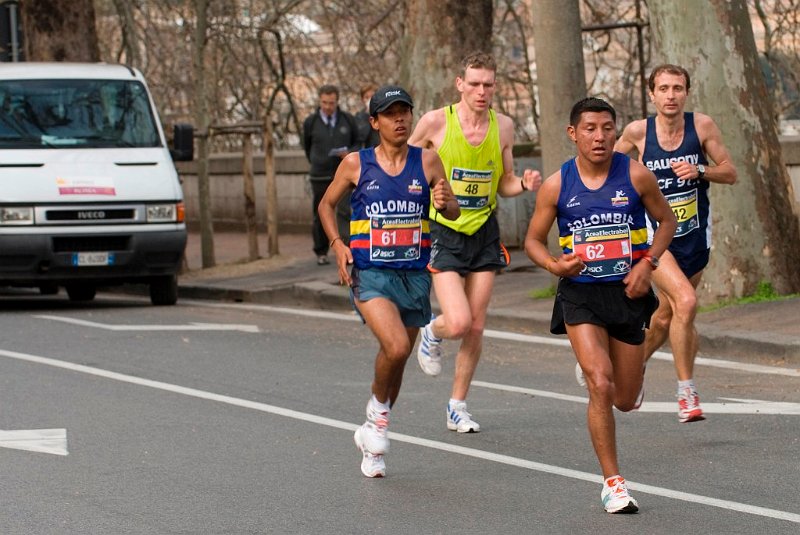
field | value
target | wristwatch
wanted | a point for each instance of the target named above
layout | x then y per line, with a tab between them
701	170
653	261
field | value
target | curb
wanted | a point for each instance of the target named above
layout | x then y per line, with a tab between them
734	345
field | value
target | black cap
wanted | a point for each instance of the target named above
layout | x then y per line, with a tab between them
386	96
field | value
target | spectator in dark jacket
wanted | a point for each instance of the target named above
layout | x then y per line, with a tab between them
328	135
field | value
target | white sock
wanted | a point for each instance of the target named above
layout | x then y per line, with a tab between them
683	385
454	401
378	406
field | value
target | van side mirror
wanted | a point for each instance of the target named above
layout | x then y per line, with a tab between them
182	143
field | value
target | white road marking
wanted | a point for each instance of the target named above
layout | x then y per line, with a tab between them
190	327
52	441
503	335
742	406
442	446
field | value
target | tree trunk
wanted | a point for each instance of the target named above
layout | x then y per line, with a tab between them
59	31
756	234
203	122
130	36
560	75
561	80
439	34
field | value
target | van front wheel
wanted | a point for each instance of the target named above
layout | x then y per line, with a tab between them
164	290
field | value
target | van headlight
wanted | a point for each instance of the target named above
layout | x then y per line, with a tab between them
16	215
165	213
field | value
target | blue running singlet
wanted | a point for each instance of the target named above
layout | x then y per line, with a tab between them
606	227
389	224
687	198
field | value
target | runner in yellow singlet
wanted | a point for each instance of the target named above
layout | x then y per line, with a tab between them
474	143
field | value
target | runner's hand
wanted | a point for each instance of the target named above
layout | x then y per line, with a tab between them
637	281
568	265
532	179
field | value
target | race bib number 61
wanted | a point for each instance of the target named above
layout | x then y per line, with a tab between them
395	238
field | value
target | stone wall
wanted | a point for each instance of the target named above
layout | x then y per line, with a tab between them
294	193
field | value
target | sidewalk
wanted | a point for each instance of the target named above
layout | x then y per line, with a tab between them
764	333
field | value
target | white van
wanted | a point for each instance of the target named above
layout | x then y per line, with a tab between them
89	195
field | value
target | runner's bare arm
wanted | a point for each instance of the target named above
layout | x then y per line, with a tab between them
638	279
566	265
511	185
441	194
346	175
428	130
632	138
723	172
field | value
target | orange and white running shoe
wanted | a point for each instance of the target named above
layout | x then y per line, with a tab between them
616	498
689	406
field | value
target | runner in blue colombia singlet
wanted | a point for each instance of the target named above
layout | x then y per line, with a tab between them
389	226
687	198
606	227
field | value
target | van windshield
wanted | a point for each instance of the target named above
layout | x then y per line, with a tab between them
75	114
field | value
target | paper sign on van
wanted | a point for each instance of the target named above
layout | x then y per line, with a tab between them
91	185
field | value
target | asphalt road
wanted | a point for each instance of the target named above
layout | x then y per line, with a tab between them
233	418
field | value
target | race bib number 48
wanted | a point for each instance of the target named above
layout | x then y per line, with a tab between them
395	238
471	188
605	250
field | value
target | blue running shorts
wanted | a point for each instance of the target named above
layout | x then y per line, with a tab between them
409	290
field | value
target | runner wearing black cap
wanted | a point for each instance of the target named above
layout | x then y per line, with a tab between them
385	265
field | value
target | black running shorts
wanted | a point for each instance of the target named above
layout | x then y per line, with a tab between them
603	304
454	251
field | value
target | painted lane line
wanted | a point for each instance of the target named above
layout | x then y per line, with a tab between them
503	335
741	406
442	446
52	441
190	327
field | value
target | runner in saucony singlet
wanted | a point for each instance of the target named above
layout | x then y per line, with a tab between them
395	188
676	146
475	145
604	299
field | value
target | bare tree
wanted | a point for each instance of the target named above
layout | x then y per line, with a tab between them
780	21
59	31
516	98
438	35
757	235
560	74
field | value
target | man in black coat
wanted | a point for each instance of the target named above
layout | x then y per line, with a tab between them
328	135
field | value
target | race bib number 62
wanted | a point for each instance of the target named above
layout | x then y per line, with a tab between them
605	250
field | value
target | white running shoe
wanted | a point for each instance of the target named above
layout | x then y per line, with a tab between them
689	406
373	432
429	353
579	375
458	419
616	498
372	465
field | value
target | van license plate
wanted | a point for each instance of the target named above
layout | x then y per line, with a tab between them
92	259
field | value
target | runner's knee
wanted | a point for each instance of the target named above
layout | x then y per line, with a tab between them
686	305
397	350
